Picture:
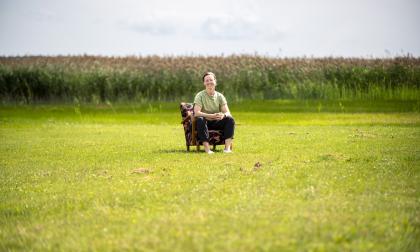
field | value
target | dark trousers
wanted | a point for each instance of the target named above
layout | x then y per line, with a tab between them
227	125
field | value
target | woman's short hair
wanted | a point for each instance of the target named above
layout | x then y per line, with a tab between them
209	73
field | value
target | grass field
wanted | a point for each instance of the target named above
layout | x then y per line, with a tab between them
334	176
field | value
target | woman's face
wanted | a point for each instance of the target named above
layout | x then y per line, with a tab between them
210	83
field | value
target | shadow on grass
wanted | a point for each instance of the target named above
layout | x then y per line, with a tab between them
192	151
175	151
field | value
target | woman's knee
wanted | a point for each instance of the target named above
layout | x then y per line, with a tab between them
231	120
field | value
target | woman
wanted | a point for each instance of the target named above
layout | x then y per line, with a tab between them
212	112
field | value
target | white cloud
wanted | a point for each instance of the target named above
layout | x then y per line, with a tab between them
215	27
43	15
153	28
235	28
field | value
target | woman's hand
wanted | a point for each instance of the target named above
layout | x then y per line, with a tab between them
215	116
219	116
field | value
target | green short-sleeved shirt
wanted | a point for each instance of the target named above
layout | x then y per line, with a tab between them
210	104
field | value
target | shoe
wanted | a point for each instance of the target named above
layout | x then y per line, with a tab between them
227	151
210	152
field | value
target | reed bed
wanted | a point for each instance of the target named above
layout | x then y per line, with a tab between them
93	79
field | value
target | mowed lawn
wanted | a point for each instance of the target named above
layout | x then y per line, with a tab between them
119	178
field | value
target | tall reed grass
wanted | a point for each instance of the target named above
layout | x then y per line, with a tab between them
100	79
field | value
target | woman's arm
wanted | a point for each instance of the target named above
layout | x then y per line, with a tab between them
225	110
197	113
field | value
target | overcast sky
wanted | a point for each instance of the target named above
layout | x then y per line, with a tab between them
360	28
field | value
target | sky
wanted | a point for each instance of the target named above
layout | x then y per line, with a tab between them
299	28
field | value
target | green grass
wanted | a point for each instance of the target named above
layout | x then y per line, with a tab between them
331	179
